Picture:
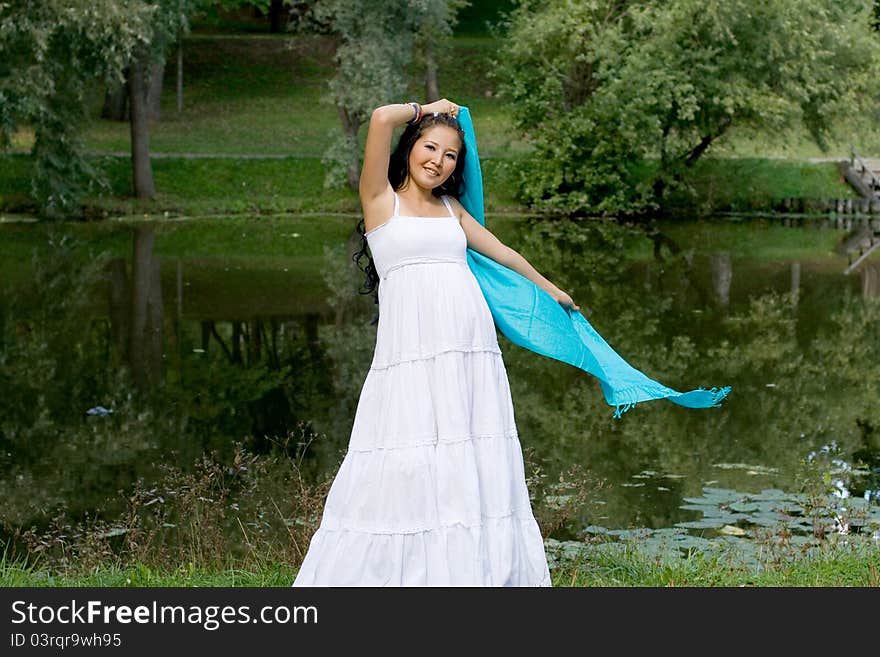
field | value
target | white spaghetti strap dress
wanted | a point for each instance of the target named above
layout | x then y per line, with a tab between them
432	489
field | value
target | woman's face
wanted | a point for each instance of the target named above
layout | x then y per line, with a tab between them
434	155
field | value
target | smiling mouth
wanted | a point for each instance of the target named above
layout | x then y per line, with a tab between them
431	171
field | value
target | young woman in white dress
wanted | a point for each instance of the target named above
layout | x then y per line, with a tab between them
432	489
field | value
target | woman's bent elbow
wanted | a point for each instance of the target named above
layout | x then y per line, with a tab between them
379	115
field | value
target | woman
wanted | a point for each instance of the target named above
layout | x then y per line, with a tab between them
432	489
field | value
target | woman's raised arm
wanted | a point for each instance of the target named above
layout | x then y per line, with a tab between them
374	174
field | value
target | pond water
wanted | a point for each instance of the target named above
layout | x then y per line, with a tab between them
129	346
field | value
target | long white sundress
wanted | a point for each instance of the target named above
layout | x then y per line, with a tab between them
432	489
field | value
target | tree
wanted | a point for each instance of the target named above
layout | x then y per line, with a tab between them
50	51
621	98
438	17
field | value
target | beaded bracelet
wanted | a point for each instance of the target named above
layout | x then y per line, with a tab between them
417	113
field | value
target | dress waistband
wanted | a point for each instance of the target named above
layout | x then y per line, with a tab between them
421	261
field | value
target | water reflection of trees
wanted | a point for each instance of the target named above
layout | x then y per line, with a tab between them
179	385
175	387
136	309
788	394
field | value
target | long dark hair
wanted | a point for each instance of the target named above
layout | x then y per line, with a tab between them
398	171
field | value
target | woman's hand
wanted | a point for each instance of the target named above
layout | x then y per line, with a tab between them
443	106
564	300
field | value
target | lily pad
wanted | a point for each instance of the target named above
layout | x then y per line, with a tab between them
631	533
766	520
720	495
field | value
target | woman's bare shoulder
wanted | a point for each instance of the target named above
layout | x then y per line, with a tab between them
457	207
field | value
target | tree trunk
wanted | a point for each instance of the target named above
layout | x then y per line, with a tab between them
694	154
180	75
116	103
154	94
140	130
350	125
432	89
277	18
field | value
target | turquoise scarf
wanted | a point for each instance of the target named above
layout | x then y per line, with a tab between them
531	318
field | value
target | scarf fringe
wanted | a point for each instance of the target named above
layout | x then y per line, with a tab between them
716	396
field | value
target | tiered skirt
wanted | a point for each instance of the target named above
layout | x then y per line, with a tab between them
432	489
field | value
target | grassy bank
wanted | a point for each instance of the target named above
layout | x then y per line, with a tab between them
744	184
230	185
612	567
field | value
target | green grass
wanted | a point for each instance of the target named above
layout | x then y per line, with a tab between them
187	575
631	567
794	143
617	567
217	186
230	185
267	95
254	95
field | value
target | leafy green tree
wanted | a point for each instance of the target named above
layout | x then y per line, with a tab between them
50	54
50	51
621	98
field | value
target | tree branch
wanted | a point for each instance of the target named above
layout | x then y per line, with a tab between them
697	151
